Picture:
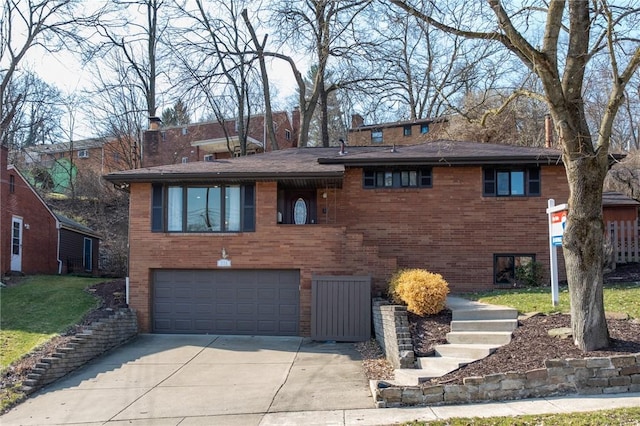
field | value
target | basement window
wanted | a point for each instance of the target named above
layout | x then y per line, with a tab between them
506	265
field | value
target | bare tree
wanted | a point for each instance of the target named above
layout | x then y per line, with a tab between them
37	115
51	25
420	71
136	42
219	64
574	34
328	29
120	112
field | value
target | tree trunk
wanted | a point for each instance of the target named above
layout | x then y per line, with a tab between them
583	249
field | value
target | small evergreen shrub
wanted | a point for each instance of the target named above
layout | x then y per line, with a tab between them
529	274
424	292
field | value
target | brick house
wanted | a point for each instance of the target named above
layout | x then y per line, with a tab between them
65	161
408	132
212	140
618	207
35	240
212	244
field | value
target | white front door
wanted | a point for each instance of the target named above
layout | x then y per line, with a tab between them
16	244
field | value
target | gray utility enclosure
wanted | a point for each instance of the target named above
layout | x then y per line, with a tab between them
341	308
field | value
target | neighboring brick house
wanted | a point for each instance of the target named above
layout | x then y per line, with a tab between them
213	244
33	239
399	132
211	140
618	207
65	161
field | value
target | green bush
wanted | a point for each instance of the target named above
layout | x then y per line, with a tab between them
529	274
424	292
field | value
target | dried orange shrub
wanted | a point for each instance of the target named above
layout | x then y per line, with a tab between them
424	292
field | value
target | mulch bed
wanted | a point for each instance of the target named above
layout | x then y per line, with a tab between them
531	344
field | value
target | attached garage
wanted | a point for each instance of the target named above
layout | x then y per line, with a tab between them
249	302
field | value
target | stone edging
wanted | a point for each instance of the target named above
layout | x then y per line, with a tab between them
96	339
588	376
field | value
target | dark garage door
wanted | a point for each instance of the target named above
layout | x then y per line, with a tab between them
254	302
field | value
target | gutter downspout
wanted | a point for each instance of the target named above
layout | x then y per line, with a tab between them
58	227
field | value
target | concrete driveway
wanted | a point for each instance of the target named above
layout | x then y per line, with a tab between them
198	380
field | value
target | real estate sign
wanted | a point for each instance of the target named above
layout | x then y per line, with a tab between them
557	221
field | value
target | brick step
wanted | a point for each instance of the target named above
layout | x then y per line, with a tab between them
485	325
484	313
465	351
479	337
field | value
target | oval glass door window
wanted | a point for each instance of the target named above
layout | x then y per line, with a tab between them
300	212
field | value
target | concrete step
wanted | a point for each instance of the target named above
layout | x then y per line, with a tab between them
485	325
428	368
439	363
479	337
465	351
482	312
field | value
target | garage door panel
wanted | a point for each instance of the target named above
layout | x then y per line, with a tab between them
226	302
246	309
287	310
288	326
182	325
246	294
265	326
269	310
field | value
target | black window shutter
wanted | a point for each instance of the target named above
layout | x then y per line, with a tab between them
156	207
489	182
534	181
249	208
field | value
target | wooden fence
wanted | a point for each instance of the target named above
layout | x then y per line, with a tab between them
341	308
625	239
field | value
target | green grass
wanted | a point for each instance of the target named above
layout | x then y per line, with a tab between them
619	298
38	309
621	416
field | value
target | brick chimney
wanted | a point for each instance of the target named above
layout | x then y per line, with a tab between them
548	131
356	121
155	123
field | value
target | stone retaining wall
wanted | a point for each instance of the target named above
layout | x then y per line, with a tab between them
391	326
98	338
587	376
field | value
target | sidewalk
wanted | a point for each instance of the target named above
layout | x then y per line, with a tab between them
393	416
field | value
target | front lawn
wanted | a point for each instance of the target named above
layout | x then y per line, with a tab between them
624	298
620	416
38	309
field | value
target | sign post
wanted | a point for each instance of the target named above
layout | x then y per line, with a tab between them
557	221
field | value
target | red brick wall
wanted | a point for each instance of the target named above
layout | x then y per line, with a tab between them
395	135
619	213
39	233
450	229
168	145
4	213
